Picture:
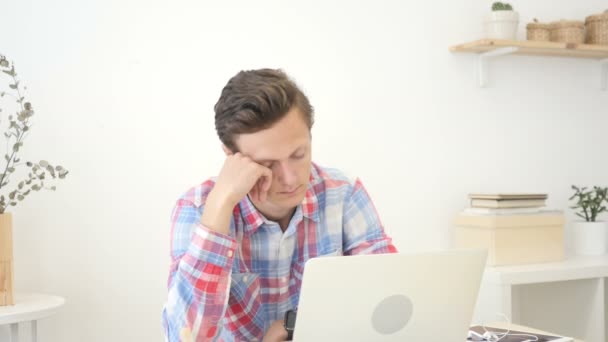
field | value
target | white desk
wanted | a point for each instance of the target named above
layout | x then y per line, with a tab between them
567	298
29	307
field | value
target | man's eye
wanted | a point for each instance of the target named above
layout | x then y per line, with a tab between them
299	156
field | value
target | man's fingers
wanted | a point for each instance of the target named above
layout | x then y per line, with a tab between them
265	183
254	192
261	194
257	191
268	180
254	171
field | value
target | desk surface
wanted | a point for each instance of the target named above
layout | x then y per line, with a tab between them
30	307
504	325
573	267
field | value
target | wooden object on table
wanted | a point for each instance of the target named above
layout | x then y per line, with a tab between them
513	239
6	260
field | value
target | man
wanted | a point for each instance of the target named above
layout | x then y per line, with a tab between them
239	242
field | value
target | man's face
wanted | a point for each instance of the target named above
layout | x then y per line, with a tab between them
285	149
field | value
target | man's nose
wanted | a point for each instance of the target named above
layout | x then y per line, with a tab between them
286	174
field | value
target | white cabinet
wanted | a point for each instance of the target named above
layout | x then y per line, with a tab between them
567	297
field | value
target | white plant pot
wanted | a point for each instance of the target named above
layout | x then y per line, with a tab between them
590	238
502	25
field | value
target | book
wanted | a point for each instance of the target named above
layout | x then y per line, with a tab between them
507	203
503	211
508	196
519	336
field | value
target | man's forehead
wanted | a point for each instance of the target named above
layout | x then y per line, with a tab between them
274	152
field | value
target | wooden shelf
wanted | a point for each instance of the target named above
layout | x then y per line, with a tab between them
490	48
535	48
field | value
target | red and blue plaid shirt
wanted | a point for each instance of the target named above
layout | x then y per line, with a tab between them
232	287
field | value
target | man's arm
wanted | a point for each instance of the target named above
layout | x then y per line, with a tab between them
363	232
199	277
202	252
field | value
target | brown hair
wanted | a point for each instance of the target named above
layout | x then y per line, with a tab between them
254	100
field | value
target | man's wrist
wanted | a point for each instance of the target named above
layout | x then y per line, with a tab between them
289	323
217	213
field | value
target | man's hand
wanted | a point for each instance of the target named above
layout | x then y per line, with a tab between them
239	176
276	332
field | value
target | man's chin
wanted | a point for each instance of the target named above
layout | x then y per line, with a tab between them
287	202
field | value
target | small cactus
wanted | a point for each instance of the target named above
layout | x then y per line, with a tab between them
499	6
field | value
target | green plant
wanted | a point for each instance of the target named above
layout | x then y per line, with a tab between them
589	203
499	6
19	127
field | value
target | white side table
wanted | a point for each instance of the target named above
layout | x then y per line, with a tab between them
29	307
568	297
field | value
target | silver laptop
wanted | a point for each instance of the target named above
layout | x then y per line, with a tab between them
389	297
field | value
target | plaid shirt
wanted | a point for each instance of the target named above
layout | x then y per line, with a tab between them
232	287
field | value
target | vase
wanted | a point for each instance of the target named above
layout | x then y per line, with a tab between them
6	260
590	238
502	25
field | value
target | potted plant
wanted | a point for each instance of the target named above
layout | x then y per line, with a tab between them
590	236
502	22
18	179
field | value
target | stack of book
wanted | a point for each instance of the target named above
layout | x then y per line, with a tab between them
513	203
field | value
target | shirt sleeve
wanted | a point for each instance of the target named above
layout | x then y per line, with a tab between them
199	278
363	232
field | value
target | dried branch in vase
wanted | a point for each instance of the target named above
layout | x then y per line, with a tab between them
39	174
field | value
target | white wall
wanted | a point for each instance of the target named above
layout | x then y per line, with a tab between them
125	92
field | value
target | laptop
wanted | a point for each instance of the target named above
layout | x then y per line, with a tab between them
389	297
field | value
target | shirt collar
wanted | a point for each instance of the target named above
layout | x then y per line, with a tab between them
310	204
252	218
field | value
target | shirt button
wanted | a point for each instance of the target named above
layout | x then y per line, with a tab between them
245	278
230	253
284	279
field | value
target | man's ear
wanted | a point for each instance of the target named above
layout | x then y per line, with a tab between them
227	151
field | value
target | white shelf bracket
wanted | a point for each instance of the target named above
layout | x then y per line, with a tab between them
604	75
482	61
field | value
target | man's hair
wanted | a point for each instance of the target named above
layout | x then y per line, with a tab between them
254	100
